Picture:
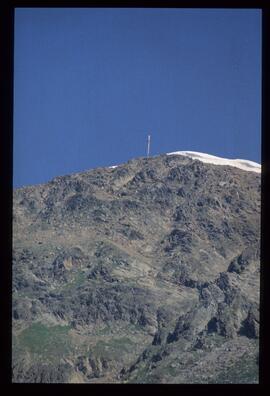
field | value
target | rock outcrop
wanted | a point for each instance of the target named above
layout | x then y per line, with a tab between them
143	273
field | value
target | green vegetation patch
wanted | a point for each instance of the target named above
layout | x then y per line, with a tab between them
140	377
78	280
244	371
113	347
49	342
172	370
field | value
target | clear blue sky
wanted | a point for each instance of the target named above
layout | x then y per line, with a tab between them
90	84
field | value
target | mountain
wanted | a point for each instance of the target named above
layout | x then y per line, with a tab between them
144	272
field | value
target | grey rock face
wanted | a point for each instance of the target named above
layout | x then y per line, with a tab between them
148	272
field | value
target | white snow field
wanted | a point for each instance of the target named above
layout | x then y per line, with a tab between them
211	159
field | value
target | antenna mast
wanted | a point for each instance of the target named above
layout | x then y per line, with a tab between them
148	145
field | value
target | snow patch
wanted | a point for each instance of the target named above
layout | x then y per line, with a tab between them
211	159
113	166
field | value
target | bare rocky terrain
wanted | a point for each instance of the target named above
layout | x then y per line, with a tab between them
143	273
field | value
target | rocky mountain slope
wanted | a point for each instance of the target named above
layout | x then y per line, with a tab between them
147	272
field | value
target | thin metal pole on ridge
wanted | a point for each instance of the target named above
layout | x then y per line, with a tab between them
148	145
